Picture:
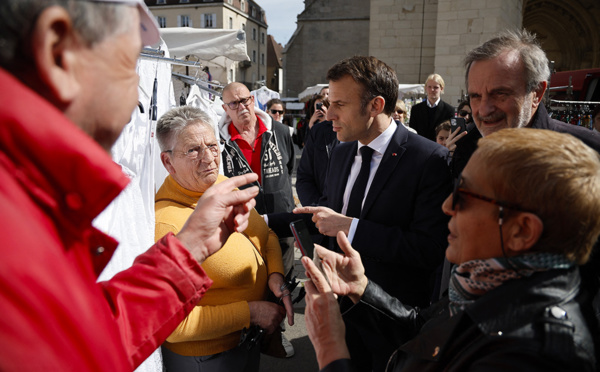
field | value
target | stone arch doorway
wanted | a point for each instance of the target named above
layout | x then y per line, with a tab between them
568	30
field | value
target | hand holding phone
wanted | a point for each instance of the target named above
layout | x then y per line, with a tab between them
306	244
302	237
319	264
458	122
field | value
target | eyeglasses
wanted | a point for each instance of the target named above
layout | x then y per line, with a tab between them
235	104
275	112
399	112
456	197
463	113
197	152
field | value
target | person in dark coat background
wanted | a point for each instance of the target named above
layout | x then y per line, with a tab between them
427	115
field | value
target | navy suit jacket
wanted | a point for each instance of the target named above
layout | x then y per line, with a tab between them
402	231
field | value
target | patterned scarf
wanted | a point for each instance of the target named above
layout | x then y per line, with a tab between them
473	279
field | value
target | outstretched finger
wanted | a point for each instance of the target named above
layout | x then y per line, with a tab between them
237	181
316	276
344	244
301	210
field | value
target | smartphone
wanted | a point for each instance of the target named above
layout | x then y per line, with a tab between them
303	238
319	105
306	244
458	122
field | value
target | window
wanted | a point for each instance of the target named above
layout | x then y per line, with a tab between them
262	58
184	21
184	1
253	11
162	21
253	34
231	75
230	23
244	26
158	2
209	20
230	1
243	5
254	56
262	38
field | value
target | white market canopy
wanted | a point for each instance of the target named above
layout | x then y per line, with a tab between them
411	88
206	44
403	89
307	93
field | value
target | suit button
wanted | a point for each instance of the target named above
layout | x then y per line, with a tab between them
99	251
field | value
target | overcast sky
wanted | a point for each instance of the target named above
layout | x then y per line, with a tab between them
281	17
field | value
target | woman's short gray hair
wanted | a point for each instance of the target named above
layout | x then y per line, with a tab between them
531	54
94	21
176	119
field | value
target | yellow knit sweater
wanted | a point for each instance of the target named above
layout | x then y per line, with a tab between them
238	271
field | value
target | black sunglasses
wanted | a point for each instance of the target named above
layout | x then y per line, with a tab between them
463	113
456	197
274	112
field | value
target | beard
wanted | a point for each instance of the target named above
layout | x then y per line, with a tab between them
524	116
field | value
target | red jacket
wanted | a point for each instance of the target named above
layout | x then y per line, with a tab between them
54	179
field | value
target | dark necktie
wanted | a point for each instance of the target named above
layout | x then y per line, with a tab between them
358	190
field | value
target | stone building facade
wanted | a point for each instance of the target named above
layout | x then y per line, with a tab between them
420	37
327	31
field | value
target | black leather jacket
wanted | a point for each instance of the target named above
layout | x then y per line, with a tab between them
538	323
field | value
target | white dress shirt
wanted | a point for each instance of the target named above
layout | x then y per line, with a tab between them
435	104
379	145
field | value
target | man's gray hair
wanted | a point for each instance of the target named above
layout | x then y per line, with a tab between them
92	20
531	54
173	121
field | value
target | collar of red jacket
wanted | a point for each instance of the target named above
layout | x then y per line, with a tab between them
61	167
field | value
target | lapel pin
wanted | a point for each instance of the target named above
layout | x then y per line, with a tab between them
394	154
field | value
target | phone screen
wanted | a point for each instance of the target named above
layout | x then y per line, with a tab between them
303	238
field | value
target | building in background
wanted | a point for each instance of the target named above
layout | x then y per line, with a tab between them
244	15
327	31
420	37
274	65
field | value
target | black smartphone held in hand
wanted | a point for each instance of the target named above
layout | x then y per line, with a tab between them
319	105
303	238
458	122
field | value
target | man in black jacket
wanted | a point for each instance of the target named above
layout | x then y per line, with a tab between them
427	115
506	79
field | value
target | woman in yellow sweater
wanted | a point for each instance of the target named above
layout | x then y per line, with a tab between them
208	338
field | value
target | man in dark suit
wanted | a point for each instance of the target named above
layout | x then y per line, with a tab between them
427	115
397	223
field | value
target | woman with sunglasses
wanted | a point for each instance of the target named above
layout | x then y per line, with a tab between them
464	111
276	109
524	216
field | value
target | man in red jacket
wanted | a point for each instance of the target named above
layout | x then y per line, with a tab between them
69	85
